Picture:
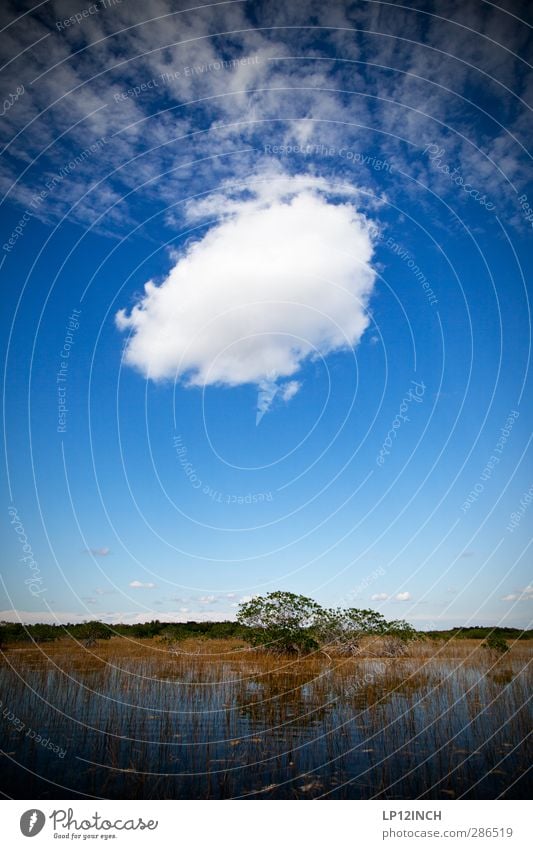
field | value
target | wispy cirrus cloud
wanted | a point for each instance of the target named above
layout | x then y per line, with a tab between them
205	95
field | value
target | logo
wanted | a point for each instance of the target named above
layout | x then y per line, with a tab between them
32	822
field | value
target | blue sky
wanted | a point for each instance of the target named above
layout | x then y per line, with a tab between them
266	316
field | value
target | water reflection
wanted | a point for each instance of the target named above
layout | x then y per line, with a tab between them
166	726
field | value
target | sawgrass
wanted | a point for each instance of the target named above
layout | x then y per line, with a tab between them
213	718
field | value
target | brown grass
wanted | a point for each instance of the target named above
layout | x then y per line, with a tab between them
216	719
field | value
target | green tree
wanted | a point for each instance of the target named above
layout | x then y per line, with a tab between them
90	632
281	621
286	622
402	630
342	630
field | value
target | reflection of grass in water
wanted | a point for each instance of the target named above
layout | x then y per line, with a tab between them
501	677
220	720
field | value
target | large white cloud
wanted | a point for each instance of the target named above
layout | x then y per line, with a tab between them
285	275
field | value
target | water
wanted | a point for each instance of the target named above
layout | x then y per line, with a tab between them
143	723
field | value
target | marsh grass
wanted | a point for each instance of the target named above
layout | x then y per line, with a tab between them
216	719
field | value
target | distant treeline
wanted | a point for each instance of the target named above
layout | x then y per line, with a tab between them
175	631
480	632
94	630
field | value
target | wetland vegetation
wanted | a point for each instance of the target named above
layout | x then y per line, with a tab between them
205	710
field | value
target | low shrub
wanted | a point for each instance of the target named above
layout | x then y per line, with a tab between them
496	642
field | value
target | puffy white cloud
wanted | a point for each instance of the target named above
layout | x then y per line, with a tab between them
379	597
286	275
403	596
138	585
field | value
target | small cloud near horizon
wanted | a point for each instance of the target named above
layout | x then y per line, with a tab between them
522	595
403	596
139	585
